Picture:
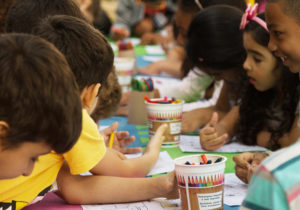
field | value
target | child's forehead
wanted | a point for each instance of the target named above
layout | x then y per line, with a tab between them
275	16
284	8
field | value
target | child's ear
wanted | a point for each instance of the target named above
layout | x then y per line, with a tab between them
89	94
4	128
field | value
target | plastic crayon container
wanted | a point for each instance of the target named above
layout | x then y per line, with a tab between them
124	68
201	185
160	111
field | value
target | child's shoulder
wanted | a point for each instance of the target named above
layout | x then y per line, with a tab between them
283	158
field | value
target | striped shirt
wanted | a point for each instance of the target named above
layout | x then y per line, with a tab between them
276	182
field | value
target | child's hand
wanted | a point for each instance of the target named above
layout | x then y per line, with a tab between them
119	33
156	141
190	121
121	140
209	138
242	164
246	164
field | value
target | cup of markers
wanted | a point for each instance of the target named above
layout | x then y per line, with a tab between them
165	110
200	180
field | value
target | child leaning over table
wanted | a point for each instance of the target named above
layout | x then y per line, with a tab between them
72	36
275	184
28	125
267	113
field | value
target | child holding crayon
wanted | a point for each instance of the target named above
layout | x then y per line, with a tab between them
28	125
274	185
90	153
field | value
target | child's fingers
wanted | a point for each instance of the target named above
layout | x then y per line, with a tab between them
126	141
122	134
243	160
214	119
207	131
160	131
242	173
209	137
217	141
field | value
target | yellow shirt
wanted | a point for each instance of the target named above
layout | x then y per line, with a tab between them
86	153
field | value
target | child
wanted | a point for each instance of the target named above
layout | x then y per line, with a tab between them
95	14
25	14
266	113
73	36
274	185
215	46
186	10
141	17
3	10
37	90
109	98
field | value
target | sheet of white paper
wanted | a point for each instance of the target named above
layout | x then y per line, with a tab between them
192	144
164	163
146	205
153	58
234	190
154	50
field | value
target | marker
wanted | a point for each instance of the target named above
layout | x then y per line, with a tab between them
204	158
209	162
218	160
111	139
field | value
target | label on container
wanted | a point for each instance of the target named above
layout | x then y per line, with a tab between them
210	200
175	128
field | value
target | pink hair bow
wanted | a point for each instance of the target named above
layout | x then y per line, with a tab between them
250	14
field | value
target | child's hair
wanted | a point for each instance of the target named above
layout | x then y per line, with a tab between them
5	5
241	4
25	14
290	8
108	99
215	40
87	51
189	6
256	108
40	100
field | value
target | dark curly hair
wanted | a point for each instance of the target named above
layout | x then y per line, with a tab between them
257	108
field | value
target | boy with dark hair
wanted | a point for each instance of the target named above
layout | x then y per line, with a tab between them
25	14
89	53
40	106
275	184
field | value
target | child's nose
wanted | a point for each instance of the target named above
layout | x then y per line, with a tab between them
272	45
246	65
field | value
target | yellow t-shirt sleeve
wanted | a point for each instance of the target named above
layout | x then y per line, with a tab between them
89	149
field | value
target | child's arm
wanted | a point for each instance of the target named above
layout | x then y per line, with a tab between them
215	134
114	164
199	117
287	139
76	189
168	66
